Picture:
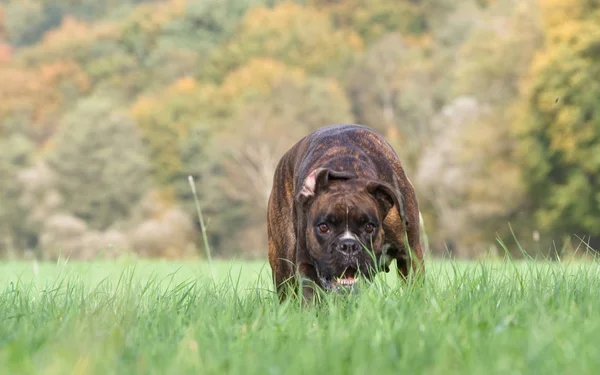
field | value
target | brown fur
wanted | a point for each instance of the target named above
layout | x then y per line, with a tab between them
361	153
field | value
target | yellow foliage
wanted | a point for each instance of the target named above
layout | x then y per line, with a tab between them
559	125
166	118
336	90
184	93
184	84
568	39
259	75
280	17
497	53
294	34
562	129
142	107
174	110
150	17
373	18
556	12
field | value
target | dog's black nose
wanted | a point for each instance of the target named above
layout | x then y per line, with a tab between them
348	246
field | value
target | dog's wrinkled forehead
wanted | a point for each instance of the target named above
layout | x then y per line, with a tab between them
323	187
343	200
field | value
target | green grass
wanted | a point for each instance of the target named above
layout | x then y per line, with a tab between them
169	318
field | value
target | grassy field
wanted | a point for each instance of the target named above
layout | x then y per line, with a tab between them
149	317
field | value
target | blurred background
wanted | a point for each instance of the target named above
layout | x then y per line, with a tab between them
107	106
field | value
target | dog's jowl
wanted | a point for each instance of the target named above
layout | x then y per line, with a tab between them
341	208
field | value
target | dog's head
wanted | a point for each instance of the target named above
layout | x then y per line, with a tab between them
344	224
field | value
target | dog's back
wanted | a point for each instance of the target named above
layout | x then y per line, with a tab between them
349	148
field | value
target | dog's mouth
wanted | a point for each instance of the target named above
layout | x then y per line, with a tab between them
348	278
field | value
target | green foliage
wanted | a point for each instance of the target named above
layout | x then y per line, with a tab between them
100	162
297	35
561	131
15	154
469	178
166	119
219	89
469	172
491	57
251	140
27	21
178	128
372	19
393	89
201	158
206	23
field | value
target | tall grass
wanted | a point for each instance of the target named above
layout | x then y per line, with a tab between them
172	318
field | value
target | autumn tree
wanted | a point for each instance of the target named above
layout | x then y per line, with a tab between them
100	162
270	129
178	129
497	53
205	24
116	53
561	125
296	35
15	154
167	119
374	18
392	88
32	99
27	21
469	170
201	156
468	178
218	89
262	128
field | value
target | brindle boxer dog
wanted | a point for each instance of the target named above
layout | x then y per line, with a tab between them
341	208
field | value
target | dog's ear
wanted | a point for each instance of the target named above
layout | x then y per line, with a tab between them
387	198
317	182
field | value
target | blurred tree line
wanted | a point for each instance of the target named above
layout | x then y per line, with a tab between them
107	106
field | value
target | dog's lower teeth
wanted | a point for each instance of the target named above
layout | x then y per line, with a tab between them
346	281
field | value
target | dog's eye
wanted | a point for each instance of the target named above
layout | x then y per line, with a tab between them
323	228
369	228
